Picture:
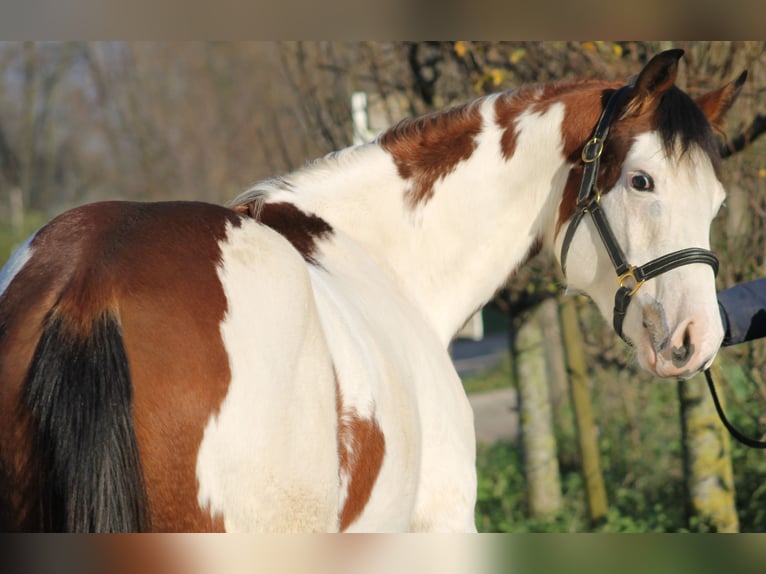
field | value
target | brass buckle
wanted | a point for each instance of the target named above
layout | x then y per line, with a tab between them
597	144
593	199
630	274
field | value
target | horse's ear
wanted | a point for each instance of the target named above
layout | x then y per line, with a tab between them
657	77
715	104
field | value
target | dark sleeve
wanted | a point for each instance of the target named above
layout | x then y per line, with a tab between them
743	312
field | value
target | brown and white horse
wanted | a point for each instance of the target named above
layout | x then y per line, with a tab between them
281	364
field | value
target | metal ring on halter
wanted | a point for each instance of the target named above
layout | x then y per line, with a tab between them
630	274
599	148
587	206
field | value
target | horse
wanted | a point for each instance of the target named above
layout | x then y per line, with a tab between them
281	364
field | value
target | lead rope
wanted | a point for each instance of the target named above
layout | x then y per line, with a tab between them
752	443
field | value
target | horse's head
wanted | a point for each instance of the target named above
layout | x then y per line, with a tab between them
658	187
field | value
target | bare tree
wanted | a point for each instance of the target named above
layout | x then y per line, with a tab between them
586	429
538	439
707	460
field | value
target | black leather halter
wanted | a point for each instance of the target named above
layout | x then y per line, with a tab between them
630	278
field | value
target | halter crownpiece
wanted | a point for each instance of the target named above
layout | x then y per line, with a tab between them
630	278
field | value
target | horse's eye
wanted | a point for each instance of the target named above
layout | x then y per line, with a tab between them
642	182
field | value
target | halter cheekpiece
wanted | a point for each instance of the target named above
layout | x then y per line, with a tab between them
630	278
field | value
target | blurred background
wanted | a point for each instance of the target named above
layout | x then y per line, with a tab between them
573	438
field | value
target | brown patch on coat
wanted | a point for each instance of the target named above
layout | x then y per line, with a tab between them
361	448
508	107
428	149
171	315
156	264
582	110
303	230
580	117
537	99
583	102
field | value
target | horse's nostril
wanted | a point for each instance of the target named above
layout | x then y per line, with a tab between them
681	355
655	324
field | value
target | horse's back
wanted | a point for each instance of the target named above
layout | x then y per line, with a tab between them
268	380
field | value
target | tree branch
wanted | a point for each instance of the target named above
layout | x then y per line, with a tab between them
743	140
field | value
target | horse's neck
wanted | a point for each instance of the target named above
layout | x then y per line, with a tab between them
452	249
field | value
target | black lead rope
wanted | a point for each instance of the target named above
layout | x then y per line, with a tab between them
747	441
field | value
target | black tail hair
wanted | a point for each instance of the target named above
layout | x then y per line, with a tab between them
80	395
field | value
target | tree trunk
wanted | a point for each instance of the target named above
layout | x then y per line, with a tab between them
556	368
538	440
707	459
586	430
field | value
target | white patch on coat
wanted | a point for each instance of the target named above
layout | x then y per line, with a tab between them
268	459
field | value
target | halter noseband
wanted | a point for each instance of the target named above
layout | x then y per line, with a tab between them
630	278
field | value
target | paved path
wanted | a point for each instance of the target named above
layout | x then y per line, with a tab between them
471	357
495	415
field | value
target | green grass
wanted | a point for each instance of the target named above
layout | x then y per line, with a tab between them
490	379
641	458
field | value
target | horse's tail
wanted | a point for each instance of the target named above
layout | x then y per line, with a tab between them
79	393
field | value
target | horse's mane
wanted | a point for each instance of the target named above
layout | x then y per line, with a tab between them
253	200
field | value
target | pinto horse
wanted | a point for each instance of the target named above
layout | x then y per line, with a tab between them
281	364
